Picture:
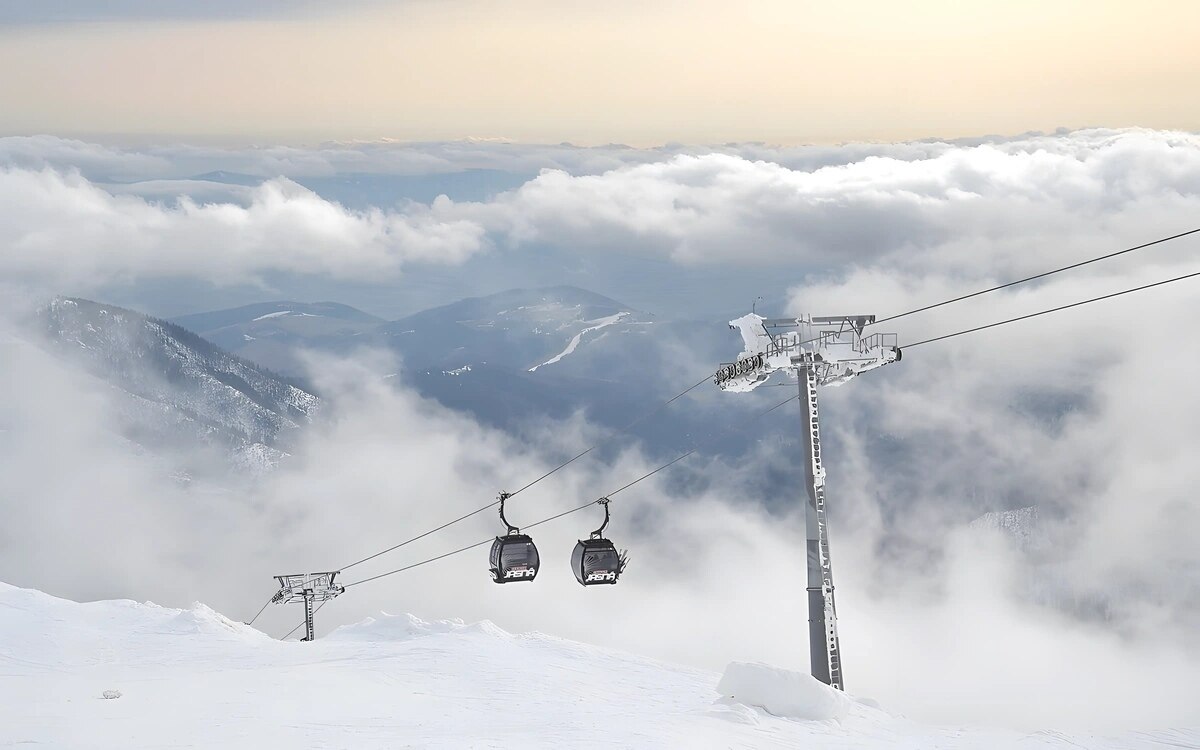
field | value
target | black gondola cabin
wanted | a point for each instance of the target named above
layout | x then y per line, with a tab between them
514	558
595	561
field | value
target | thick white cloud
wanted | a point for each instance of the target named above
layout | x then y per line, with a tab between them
1087	412
919	207
61	227
722	208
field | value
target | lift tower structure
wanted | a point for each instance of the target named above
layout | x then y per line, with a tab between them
817	351
307	588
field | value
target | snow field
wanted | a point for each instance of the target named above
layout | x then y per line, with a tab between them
193	678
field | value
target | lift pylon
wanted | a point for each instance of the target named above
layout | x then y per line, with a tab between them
307	588
816	351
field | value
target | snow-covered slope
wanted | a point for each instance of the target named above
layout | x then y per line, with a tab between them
573	344
509	359
520	329
173	385
192	678
273	334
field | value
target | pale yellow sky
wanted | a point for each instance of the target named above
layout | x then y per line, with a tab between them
619	71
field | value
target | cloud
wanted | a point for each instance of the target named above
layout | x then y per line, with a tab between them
727	209
61	228
920	207
1085	413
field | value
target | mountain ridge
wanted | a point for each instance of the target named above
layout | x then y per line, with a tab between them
178	386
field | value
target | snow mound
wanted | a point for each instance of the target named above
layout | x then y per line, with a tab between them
193	678
199	619
407	627
779	692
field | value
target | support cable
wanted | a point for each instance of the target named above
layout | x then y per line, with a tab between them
264	609
1053	309
773	408
627	428
422	535
960	298
1035	277
564	464
590	503
1015	283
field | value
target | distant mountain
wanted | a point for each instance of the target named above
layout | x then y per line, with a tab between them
229	178
514	358
272	334
366	190
178	388
521	329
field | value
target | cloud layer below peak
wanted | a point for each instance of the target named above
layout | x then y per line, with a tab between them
817	210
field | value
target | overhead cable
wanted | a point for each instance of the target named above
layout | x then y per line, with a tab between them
1037	276
493	504
264	609
741	426
1053	309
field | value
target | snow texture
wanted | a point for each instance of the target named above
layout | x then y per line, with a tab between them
173	382
835	350
193	678
574	342
782	693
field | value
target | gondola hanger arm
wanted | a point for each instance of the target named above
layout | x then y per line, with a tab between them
511	529
599	533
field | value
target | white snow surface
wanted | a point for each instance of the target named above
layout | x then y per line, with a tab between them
193	678
573	344
780	692
284	313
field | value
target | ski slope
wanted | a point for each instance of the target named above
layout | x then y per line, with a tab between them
192	678
573	344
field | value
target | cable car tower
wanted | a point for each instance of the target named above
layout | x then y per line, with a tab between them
307	588
816	351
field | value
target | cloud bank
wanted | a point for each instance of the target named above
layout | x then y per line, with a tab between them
963	209
61	227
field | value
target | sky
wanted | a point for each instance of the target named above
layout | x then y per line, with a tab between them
591	73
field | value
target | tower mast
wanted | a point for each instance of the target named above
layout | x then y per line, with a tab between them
816	351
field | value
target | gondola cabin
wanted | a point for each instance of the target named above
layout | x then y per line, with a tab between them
595	561
514	558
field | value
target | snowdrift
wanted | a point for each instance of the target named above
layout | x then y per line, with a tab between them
122	674
782	693
405	627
